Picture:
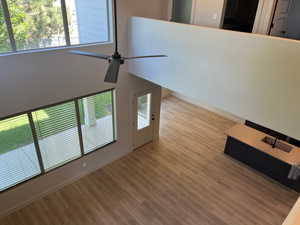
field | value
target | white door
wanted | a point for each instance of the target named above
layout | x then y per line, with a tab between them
280	21
143	118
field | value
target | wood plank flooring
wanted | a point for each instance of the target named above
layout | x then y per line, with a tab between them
184	179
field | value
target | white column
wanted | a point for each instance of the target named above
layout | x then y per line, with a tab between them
89	111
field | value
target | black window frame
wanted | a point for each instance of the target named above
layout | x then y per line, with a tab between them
68	44
83	154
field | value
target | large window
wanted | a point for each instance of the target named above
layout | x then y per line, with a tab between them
18	157
97	121
58	134
39	141
35	24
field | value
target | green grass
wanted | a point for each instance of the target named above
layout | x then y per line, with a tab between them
15	132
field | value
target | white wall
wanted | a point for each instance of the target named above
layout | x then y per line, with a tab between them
208	12
251	76
32	80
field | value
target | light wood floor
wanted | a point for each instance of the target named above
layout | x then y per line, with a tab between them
184	179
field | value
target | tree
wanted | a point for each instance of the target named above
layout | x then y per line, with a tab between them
35	23
16	9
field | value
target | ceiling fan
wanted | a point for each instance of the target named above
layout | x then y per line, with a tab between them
116	60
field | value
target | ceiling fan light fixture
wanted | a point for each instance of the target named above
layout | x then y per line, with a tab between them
116	60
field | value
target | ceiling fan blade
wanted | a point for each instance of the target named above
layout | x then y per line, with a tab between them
90	54
113	71
143	57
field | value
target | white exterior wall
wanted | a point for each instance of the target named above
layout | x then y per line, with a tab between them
92	20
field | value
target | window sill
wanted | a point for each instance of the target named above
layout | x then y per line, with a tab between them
102	148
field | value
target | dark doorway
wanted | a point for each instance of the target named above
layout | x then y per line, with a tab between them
240	15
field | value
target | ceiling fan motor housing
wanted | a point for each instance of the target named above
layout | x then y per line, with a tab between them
116	59
117	56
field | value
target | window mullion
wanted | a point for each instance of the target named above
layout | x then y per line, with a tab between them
65	21
109	16
79	127
9	25
36	142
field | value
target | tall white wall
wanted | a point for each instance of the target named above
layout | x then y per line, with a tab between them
254	77
32	80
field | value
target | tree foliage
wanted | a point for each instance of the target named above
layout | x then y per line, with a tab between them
35	23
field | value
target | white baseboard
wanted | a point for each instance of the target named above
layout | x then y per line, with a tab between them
209	108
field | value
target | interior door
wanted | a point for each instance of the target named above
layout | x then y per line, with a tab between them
280	21
143	118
